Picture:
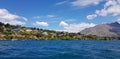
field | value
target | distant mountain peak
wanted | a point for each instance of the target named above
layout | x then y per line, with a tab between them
116	23
111	30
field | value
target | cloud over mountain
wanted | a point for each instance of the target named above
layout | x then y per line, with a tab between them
76	27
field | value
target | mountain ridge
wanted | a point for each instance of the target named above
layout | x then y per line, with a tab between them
110	30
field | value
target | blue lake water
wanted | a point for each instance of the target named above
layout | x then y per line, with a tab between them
60	49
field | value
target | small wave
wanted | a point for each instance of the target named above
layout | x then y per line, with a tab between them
69	56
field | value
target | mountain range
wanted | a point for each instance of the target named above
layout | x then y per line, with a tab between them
109	30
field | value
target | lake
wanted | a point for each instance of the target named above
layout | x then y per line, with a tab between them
60	49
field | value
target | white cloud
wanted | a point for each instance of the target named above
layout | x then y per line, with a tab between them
16	22
61	3
41	23
64	24
7	17
111	7
44	16
91	16
80	3
70	20
37	17
118	20
24	18
76	27
50	16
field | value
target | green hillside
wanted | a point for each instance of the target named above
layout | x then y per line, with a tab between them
12	32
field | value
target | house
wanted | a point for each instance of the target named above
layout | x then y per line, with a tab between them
45	33
26	30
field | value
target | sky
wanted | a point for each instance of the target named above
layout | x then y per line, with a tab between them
59	15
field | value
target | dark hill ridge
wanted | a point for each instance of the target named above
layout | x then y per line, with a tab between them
110	30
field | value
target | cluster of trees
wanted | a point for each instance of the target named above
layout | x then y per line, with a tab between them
10	32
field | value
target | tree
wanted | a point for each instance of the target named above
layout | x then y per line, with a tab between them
8	25
1	24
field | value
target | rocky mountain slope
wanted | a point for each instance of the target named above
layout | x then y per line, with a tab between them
109	30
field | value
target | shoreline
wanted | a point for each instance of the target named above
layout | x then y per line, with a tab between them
56	39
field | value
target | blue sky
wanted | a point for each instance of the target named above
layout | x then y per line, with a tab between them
61	15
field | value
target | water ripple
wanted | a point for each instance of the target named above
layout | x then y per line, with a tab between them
59	49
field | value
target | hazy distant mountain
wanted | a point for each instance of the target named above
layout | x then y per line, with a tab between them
111	30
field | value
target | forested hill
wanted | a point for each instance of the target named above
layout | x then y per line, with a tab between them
12	32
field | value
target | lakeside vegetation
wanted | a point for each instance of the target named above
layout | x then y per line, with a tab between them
11	32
